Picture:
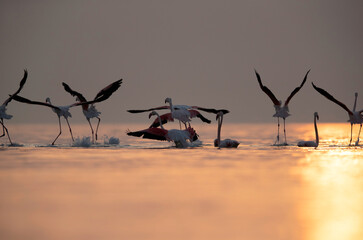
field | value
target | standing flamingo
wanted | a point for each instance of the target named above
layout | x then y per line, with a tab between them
227	143
89	110
355	117
179	137
3	114
311	143
281	111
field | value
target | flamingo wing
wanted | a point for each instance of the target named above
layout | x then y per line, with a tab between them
165	118
150	133
106	92
297	89
25	100
266	90
211	110
195	113
73	93
331	98
22	82
148	110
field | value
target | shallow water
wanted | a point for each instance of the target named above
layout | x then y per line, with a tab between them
145	189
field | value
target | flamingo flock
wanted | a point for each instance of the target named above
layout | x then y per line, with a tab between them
186	134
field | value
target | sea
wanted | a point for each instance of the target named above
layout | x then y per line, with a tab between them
124	187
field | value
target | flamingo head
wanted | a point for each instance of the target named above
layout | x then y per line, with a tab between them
219	114
216	143
152	114
47	100
168	100
316	115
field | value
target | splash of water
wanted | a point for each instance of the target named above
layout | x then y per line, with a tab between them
84	142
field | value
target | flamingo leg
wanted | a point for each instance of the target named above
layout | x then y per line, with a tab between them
60	130
285	132
1	121
351	133
99	120
179	124
278	131
7	132
70	130
357	142
93	139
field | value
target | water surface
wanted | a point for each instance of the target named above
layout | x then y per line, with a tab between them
144	189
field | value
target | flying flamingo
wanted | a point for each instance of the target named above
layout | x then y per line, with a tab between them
89	110
281	111
182	112
3	114
227	143
179	137
311	143
355	117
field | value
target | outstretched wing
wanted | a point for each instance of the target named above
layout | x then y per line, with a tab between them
25	100
148	110
73	93
296	89
331	98
195	113
211	110
150	133
165	118
266	90
106	92
22	82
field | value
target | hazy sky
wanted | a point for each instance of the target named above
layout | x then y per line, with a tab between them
196	52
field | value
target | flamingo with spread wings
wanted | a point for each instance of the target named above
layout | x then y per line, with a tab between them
179	137
355	117
3	114
281	111
89	110
183	113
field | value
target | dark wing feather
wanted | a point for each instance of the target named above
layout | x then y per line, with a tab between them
266	90
296	89
73	93
148	110
25	100
211	110
150	133
106	92
22	82
331	98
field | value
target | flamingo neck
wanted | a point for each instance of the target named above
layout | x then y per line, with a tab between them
159	118
171	106
220	120
316	131
355	102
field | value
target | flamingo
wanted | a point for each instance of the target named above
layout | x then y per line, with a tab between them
89	110
61	111
355	117
179	137
3	114
227	143
281	111
168	117
181	112
311	143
